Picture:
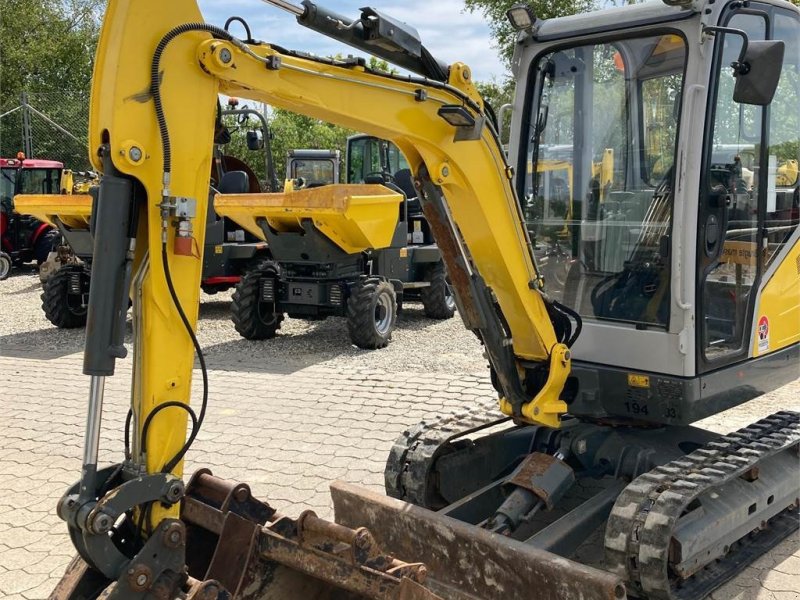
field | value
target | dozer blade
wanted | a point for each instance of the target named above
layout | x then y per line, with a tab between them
466	562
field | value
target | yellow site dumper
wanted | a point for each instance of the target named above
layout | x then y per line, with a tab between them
346	250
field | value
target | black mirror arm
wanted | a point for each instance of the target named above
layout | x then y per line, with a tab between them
739	65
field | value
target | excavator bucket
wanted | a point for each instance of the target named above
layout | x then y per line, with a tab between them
354	217
229	545
73	210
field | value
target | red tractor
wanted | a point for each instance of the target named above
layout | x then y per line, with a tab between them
25	238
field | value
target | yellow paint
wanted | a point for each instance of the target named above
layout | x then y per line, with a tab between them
73	210
780	303
547	407
638	381
355	217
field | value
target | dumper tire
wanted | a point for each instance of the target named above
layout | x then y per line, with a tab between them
45	244
371	313
437	299
5	265
247	313
59	309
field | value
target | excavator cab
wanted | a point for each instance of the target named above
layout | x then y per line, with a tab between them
617	249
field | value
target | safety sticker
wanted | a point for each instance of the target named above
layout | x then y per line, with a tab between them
763	334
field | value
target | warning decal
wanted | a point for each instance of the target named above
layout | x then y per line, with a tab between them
763	334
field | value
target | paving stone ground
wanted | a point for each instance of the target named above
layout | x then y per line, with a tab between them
286	431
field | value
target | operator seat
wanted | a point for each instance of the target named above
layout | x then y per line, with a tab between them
231	182
405	182
234	182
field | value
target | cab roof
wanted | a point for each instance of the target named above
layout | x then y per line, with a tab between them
30	163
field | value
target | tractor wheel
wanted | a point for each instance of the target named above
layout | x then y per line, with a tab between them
44	245
371	313
255	320
5	266
437	299
62	309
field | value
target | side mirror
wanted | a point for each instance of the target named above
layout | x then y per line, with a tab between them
758	71
255	141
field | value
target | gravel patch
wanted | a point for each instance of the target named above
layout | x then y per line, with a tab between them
418	343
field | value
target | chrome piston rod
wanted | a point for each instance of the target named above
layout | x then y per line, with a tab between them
91	440
287	6
94	414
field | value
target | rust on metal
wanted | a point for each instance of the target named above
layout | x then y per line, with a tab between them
751	474
73	580
231	554
236	550
452	256
535	465
286	558
465	562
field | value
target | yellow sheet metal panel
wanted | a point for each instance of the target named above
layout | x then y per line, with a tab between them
778	312
355	217
73	210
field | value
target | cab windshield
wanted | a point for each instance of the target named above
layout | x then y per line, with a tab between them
315	172
8	179
373	156
597	179
38	181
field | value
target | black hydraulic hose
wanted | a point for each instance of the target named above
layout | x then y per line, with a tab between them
198	420
155	90
128	421
158	409
155	83
575	316
238	19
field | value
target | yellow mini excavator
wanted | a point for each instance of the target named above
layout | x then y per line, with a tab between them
680	299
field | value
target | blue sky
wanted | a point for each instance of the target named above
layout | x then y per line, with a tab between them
451	33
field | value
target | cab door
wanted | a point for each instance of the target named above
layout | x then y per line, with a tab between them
744	218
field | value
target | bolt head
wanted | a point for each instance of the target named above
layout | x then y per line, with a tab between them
141	579
175	491
101	523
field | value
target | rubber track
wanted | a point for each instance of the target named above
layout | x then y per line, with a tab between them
641	524
414	453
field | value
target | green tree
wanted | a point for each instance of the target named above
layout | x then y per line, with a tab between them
291	131
504	35
496	93
47	52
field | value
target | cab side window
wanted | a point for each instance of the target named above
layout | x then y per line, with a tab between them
783	191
